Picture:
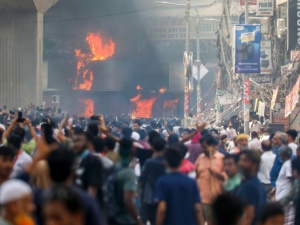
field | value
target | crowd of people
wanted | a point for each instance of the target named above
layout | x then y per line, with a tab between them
56	169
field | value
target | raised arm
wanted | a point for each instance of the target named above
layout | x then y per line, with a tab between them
10	128
199	127
27	122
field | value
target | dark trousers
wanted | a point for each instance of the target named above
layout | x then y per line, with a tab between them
150	212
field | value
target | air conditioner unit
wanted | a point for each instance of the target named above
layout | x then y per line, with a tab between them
263	21
55	98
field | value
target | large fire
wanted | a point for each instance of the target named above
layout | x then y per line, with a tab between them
143	107
100	50
88	106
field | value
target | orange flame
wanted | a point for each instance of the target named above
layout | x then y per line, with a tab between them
100	49
162	90
143	108
135	98
170	104
139	87
88	107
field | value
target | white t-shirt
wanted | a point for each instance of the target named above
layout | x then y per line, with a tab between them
294	147
283	184
231	133
266	163
255	144
255	127
23	159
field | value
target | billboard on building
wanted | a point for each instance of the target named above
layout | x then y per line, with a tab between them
265	57
292	98
265	8
293	25
247	48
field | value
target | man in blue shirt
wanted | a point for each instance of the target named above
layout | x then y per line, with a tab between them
251	191
278	140
177	195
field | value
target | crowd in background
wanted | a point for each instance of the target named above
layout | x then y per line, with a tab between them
57	169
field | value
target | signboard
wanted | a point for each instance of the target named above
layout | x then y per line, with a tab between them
292	98
280	119
293	25
295	55
265	8
203	71
247	48
262	79
250	2
246	100
265	57
274	97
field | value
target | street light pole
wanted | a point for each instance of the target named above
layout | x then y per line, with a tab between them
198	63
186	85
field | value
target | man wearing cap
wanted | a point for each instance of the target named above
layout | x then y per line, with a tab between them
16	203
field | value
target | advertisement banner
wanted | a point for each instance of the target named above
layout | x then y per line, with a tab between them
265	8
274	97
246	100
293	25
250	2
292	98
265	57
295	55
247	48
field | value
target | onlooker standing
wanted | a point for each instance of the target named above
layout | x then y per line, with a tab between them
210	175
231	132
177	195
7	156
231	169
291	136
266	163
109	150
152	170
255	143
251	191
271	214
255	124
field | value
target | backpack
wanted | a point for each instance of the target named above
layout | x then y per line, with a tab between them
110	190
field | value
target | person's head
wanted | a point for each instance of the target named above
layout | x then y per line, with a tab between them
59	110
125	151
291	135
231	165
185	132
126	132
285	152
227	209
266	145
16	198
214	131
92	128
142	134
181	148
110	144
7	156
61	164
279	139
62	206
173	139
159	144
14	141
271	214
208	143
80	142
40	175
98	144
249	161
229	124
296	168
20	132
242	141
152	136
136	125
173	158
254	134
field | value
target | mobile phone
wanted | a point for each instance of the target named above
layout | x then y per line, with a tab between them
20	116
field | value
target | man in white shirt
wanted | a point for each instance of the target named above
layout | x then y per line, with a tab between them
291	136
255	125
22	159
284	180
266	164
231	132
255	143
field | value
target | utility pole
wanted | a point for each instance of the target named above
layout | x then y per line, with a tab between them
198	63
246	83
186	85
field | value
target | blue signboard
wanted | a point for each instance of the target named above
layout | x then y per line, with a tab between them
247	48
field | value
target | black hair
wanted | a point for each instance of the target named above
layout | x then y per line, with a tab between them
110	143
181	148
186	130
93	129
152	136
159	144
89	137
173	157
235	157
61	164
227	210
209	140
269	210
20	132
1	133
127	132
142	134
253	156
214	130
125	149
6	151
173	139
292	133
266	147
65	195
14	141
48	133
99	144
204	132
138	122
296	164
254	134
78	131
